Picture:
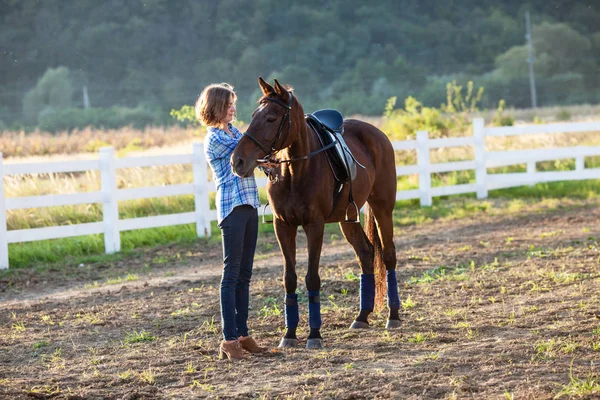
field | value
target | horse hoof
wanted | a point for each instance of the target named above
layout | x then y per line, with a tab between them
287	343
393	324
359	325
314	343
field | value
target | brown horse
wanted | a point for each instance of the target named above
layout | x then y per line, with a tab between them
301	193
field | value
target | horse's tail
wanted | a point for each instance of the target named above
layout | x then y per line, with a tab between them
378	265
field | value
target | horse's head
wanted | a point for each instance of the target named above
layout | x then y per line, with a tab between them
270	130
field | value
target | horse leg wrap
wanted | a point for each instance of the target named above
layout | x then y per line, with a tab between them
392	290
291	311
314	309
367	292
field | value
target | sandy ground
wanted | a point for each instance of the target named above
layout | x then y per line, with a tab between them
494	306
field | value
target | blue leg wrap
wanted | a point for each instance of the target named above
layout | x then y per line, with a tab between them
392	290
314	309
291	311
367	292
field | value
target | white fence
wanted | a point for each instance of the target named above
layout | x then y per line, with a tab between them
109	196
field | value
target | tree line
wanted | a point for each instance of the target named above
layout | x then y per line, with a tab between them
138	59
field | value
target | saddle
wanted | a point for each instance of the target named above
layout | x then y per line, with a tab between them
327	124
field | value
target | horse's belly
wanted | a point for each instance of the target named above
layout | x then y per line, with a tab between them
295	210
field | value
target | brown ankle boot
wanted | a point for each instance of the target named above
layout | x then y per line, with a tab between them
251	346
231	351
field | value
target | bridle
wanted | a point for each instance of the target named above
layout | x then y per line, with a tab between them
269	153
286	117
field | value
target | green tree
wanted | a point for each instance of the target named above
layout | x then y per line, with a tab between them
558	49
52	93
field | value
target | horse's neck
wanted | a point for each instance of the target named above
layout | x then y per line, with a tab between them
304	143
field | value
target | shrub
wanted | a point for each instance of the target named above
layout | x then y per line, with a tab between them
53	92
402	124
452	119
500	119
563	115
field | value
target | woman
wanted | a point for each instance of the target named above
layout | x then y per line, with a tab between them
237	202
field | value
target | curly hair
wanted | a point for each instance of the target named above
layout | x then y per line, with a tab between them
211	106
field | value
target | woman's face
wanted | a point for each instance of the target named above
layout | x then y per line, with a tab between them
230	113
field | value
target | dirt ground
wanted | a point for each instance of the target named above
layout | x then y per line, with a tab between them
501	306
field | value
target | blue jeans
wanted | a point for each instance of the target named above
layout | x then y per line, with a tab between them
239	232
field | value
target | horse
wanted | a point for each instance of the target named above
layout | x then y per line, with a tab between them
301	193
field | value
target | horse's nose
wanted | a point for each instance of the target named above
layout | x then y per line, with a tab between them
237	164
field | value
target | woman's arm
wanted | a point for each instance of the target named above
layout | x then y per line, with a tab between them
220	147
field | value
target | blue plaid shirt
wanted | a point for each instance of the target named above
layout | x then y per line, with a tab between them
232	191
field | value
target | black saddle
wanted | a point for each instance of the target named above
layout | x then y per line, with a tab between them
327	124
332	119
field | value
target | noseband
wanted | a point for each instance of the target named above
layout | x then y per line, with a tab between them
286	117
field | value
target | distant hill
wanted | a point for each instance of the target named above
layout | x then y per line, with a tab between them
157	55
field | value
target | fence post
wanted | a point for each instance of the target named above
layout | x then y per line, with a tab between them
480	167
531	170
201	191
110	203
424	171
3	232
579	163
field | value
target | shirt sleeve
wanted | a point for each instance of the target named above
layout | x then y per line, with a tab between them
220	147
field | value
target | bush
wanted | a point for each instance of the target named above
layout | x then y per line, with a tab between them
563	115
452	119
53	92
500	119
402	124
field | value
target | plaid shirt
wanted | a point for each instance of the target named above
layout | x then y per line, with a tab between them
232	191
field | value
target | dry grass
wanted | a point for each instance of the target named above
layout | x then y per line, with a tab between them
21	144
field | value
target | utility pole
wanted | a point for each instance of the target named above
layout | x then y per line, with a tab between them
86	98
530	61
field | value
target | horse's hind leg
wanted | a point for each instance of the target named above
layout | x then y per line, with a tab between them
355	235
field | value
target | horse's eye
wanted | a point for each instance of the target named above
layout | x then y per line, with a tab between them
271	119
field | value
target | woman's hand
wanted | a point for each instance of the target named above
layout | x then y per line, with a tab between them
267	167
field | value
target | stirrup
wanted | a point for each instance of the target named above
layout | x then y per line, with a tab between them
352	221
263	215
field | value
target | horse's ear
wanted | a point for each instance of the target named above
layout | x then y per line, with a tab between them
280	90
264	86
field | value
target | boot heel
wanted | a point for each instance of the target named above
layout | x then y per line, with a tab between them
230	351
222	354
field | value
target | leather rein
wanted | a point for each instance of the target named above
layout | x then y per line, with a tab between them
273	150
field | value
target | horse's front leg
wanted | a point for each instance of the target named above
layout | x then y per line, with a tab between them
314	236
286	236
